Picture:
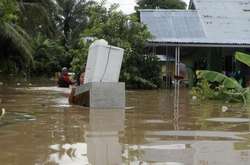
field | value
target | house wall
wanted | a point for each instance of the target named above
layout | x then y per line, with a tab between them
167	73
200	58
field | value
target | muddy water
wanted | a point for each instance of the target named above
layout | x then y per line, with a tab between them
157	127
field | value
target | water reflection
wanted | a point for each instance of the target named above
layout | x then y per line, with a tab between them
193	153
185	136
69	154
164	127
176	103
103	145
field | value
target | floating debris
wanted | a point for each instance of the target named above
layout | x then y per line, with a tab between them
30	84
224	108
194	98
2	112
18	84
19	116
1	83
129	108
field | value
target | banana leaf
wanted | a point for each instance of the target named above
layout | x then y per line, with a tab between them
213	76
243	57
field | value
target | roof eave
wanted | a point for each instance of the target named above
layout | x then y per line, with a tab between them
190	44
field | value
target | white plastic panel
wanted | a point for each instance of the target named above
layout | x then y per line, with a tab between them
103	63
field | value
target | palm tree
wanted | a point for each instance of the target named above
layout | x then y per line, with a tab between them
72	18
37	16
64	18
15	48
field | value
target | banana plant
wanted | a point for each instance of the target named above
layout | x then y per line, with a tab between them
214	85
243	57
212	76
217	85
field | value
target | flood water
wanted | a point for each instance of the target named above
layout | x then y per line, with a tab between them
163	127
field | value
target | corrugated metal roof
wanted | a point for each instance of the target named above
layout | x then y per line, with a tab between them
173	24
213	22
225	19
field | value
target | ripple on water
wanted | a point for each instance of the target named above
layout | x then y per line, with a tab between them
208	134
229	120
50	88
13	117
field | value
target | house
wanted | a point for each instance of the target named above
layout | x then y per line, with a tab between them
205	36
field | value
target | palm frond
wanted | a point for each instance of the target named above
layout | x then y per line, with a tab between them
18	41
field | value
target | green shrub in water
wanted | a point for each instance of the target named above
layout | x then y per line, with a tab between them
214	85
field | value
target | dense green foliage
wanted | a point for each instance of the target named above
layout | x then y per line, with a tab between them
161	4
37	16
139	70
42	36
214	85
71	19
49	57
79	55
15	48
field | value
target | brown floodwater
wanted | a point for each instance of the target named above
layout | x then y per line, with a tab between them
163	127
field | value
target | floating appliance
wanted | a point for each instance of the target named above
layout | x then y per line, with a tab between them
103	63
